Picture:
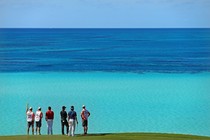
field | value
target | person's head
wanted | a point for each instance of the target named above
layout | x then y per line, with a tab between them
49	108
72	108
39	108
30	108
63	107
83	106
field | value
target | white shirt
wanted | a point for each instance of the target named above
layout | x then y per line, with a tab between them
30	116
38	115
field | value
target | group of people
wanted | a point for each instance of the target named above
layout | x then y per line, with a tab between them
69	120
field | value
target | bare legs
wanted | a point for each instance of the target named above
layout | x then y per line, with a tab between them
29	129
85	130
38	129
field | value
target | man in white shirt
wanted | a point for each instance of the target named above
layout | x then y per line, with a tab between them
84	115
30	120
38	120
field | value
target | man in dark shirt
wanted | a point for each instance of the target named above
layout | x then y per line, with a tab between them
64	121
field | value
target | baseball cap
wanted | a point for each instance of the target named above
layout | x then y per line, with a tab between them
83	106
30	108
63	107
39	108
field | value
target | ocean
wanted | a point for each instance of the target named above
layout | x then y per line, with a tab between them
131	80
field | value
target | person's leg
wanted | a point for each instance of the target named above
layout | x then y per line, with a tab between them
67	128
32	128
50	124
39	128
28	128
36	127
85	126
73	128
51	127
48	127
85	130
62	127
70	128
36	130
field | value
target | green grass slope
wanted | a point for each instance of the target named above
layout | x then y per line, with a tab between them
123	136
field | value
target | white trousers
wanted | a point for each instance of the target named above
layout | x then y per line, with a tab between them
72	125
49	126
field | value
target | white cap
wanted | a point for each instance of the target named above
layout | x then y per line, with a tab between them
83	106
39	108
30	108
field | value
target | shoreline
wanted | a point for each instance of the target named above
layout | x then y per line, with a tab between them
133	135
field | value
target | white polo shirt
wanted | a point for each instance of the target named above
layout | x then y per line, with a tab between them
30	116
38	115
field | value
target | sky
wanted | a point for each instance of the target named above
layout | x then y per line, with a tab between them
104	13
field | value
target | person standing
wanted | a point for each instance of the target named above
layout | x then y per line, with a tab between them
64	122
38	120
72	119
30	120
84	115
49	118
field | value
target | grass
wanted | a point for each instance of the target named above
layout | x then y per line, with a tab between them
121	136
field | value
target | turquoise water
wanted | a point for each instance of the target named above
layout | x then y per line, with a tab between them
131	80
118	102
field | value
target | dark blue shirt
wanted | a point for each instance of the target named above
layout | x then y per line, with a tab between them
72	115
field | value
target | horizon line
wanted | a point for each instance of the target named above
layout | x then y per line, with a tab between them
105	28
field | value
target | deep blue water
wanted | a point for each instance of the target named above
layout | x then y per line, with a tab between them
106	50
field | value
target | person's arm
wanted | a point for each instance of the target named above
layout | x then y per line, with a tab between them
46	116
76	118
41	115
52	115
33	117
26	108
82	115
65	115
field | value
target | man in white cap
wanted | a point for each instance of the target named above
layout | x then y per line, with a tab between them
30	120
84	115
38	120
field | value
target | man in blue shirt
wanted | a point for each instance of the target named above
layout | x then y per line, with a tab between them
72	119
